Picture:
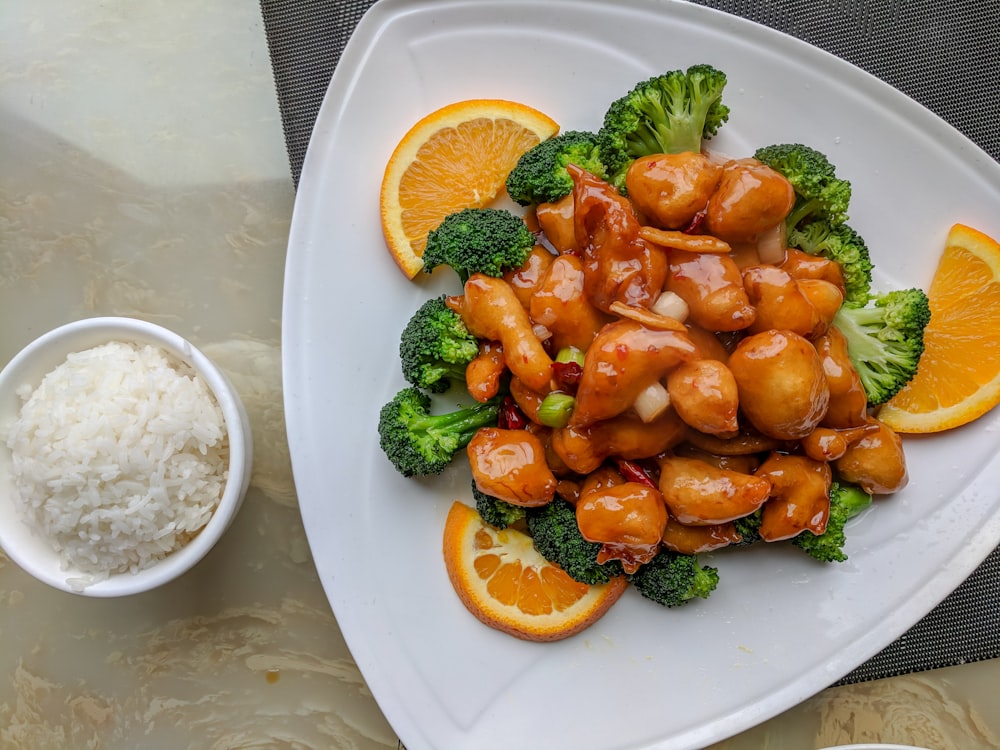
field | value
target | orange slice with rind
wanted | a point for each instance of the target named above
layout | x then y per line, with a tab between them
456	157
506	583
958	378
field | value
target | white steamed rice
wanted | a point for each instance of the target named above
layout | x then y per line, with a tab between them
119	457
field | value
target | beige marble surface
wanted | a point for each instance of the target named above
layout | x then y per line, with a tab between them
143	173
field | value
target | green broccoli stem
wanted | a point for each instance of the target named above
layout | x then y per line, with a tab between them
644	142
452	370
681	139
868	316
462	424
801	210
853	502
862	346
654	139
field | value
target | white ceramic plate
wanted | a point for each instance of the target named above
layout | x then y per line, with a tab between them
780	627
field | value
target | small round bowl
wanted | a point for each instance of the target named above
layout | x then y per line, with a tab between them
35	554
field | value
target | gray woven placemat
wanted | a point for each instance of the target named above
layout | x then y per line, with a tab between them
944	55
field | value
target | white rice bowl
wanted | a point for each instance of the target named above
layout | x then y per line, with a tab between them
125	454
119	457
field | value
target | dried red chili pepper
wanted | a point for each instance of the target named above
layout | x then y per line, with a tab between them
567	376
634	472
696	223
511	417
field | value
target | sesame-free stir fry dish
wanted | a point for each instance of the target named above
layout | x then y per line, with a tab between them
669	351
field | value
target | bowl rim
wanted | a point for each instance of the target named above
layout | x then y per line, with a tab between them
51	348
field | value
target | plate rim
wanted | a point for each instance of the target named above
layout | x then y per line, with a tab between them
371	26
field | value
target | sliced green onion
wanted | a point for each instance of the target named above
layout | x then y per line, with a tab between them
570	354
555	409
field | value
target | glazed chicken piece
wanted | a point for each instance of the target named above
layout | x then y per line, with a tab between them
618	264
527	400
708	343
801	265
782	387
745	463
623	360
674	239
556	221
556	464
694	540
848	401
626	519
569	490
746	443
483	374
670	189
876	461
601	478
829	444
584	449
491	310
825	296
700	494
559	304
783	302
526	279
704	394
799	499
511	465
751	198
712	287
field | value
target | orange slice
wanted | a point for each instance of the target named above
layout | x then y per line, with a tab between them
503	580
958	379
456	157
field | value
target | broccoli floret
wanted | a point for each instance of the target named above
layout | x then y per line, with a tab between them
419	443
540	174
558	539
435	347
479	240
885	340
496	512
671	579
819	193
667	114
846	501
748	527
838	242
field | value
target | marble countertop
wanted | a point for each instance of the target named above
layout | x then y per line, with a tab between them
144	174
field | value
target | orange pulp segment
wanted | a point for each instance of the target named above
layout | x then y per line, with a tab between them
504	581
958	378
456	157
